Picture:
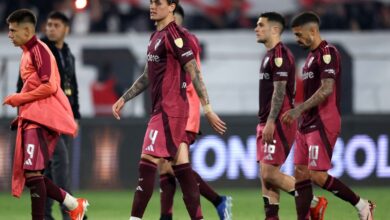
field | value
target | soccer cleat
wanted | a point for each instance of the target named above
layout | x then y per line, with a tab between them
318	212
79	212
367	213
224	209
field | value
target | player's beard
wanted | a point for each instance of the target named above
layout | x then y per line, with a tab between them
303	46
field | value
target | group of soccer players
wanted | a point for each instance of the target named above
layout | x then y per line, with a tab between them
172	72
319	124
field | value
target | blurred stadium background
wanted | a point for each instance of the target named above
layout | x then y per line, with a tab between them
109	38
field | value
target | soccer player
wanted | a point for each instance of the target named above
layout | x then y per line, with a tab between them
57	27
167	177
44	114
276	96
321	120
169	59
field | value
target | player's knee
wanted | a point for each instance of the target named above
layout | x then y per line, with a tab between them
301	173
268	175
318	177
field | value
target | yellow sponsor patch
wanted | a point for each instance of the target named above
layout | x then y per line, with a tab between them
327	58
179	42
278	61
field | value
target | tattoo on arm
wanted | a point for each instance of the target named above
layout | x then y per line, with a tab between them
138	86
277	99
196	76
319	96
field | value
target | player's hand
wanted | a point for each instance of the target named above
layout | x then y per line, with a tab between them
216	123
268	132
117	107
289	116
10	100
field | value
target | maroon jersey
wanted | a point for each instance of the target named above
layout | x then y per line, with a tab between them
322	63
278	65
168	51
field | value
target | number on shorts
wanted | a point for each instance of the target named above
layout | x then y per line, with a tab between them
269	148
313	152
153	135
30	150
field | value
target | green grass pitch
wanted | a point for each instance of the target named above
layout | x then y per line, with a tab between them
247	205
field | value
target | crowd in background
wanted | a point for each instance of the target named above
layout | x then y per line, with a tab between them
118	16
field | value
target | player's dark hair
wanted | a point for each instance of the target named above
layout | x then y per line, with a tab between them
176	2
304	18
60	16
179	10
22	16
275	17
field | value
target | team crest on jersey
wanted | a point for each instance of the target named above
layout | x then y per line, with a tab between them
278	61
327	58
179	42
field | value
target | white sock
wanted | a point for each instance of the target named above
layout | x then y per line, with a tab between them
134	218
314	202
361	204
70	202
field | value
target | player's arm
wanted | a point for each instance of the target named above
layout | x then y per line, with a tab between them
192	68
196	77
277	99
42	91
276	105
42	63
138	87
317	98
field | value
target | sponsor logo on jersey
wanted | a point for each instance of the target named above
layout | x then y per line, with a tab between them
264	76
307	75
283	74
153	58
187	54
330	71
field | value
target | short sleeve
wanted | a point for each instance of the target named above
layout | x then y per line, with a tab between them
281	67
329	64
181	45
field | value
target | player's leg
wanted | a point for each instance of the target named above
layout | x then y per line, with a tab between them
146	176
303	186
271	157
49	202
60	173
167	189
320	154
184	174
270	196
223	204
36	155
